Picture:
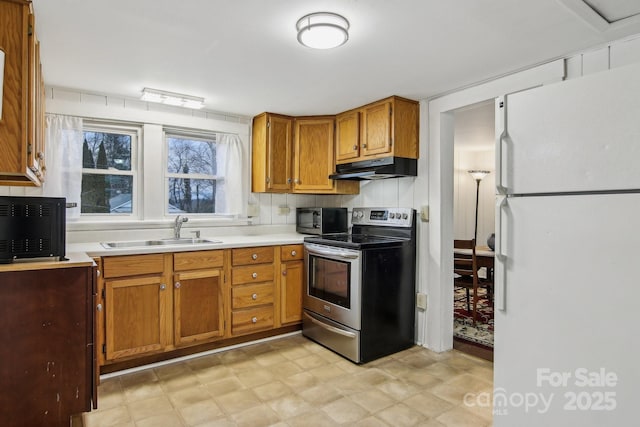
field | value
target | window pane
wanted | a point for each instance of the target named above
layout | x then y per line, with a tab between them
192	195
191	156
102	150
106	193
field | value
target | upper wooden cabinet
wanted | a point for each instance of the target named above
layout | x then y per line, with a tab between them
314	158
271	149
22	121
388	127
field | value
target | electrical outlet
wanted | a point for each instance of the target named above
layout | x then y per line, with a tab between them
284	210
421	301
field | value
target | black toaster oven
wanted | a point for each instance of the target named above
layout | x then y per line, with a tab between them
32	227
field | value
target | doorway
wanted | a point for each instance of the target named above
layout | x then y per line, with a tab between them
474	218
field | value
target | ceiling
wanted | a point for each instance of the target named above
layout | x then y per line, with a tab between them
243	56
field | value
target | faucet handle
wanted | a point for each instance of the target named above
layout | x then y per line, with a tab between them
197	233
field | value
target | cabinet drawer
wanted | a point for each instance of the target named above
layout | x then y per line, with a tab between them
132	265
252	319
252	274
197	260
245	256
251	295
291	252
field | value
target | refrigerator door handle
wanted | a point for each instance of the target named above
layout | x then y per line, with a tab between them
499	278
501	130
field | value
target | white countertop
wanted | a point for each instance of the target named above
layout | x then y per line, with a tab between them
95	249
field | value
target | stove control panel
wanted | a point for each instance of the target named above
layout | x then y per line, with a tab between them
393	217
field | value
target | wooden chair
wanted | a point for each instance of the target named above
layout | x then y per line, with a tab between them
465	271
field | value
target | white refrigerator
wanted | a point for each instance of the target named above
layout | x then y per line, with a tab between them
567	274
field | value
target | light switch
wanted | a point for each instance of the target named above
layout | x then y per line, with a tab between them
421	301
424	213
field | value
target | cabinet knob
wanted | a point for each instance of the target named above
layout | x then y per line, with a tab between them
288	180
254	275
254	297
40	155
177	285
294	253
254	320
254	256
98	273
296	181
355	147
268	180
163	286
99	307
284	273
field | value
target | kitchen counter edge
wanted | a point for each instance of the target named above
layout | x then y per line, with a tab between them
95	249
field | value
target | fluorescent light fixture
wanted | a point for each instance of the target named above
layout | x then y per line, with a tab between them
322	30
172	98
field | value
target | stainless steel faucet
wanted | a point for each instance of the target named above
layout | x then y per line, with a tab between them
178	225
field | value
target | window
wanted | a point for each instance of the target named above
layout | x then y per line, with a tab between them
194	174
108	170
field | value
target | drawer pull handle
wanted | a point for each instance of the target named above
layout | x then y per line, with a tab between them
254	275
254	297
254	320
294	253
254	256
99	307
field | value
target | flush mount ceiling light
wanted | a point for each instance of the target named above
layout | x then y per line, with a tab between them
172	98
322	30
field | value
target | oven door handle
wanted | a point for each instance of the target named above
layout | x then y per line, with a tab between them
340	254
331	328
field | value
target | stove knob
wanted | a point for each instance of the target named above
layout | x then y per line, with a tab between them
405	216
392	215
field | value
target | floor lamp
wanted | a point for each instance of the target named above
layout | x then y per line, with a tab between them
477	175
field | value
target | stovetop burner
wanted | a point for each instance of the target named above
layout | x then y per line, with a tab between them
356	240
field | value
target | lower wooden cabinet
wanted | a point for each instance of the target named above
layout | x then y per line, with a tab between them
47	355
149	304
292	279
137	300
135	320
198	300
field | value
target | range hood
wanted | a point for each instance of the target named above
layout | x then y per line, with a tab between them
386	167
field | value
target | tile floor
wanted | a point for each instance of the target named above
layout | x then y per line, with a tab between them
295	382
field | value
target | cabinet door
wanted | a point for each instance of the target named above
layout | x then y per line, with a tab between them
291	288
135	316
278	153
313	154
198	306
377	129
347	136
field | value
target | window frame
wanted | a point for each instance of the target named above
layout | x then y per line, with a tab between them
134	131
191	135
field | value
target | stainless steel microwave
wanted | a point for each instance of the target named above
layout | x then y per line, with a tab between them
321	220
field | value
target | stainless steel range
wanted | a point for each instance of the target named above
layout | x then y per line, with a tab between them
360	295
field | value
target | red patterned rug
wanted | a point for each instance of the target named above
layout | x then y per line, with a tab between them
463	327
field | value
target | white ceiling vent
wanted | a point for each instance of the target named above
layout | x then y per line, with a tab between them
614	10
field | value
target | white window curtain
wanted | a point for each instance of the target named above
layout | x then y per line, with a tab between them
63	145
234	197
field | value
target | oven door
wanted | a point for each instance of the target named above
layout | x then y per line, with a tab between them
333	283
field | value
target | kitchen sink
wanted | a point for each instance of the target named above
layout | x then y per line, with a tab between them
158	242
